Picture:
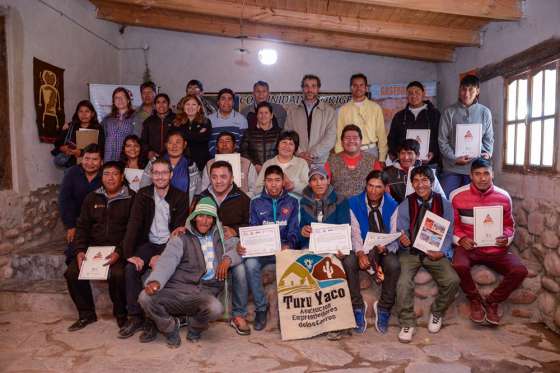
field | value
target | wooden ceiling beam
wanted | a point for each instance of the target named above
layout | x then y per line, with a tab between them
229	27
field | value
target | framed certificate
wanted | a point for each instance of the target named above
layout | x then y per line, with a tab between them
93	267
235	161
468	140
431	233
133	176
330	238
260	240
488	224
423	138
379	239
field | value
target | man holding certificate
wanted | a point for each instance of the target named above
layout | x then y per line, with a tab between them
411	222
484	229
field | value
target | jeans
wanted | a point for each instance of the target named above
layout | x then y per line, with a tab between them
352	269
253	268
240	290
450	181
392	270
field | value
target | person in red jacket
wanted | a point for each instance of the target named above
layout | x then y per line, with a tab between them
482	192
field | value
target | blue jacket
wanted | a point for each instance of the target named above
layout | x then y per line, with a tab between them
74	188
180	178
359	208
335	211
282	210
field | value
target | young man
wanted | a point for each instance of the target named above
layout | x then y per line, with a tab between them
348	169
321	204
273	206
188	278
374	210
78	182
225	144
261	91
226	119
421	114
397	173
466	111
156	128
365	114
102	222
314	121
195	87
148	93
157	211
410	214
483	192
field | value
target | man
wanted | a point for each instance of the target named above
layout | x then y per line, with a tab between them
188	278
348	169
420	114
156	128
148	93
321	204
226	119
225	144
483	192
273	206
157	211
195	87
410	214
398	173
365	114
466	111
314	121
261	93
374	210
102	222
78	182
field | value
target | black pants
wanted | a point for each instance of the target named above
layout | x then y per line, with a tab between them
392	270
352	269
80	290
133	277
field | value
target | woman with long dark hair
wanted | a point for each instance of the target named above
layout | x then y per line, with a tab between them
118	124
131	155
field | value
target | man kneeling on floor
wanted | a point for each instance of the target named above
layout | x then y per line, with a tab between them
188	278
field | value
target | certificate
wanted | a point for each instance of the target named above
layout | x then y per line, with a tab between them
431	233
86	136
378	239
330	238
260	240
423	138
235	161
93	266
133	176
468	140
488	224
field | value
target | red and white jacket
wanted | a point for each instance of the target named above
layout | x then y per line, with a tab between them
465	198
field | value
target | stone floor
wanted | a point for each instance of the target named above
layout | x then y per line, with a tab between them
39	342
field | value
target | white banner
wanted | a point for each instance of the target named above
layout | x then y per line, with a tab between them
101	96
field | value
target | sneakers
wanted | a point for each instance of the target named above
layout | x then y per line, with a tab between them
133	325
434	323
361	322
334	336
193	336
150	332
82	323
381	318
240	325
260	320
406	334
173	338
477	311
492	316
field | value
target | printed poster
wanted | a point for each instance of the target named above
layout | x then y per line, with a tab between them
101	96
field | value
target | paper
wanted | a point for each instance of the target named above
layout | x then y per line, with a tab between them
423	138
330	238
468	140
431	233
488	225
86	136
93	267
260	240
235	161
133	176
379	239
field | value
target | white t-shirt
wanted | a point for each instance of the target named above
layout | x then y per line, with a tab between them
416	111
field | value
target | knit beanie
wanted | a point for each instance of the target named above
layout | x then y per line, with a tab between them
207	206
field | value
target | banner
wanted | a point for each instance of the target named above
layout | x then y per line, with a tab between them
313	295
48	89
101	96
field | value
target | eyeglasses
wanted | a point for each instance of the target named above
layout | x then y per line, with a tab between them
160	173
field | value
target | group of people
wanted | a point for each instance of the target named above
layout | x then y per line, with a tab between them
176	238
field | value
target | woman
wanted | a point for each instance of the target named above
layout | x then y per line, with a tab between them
118	124
85	117
259	144
133	162
196	128
295	168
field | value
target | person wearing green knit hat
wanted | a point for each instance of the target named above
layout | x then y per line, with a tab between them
188	278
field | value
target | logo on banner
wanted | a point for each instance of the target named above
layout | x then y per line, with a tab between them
310	273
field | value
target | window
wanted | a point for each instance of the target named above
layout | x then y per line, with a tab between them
532	118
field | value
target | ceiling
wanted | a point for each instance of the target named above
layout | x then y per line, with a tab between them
427	30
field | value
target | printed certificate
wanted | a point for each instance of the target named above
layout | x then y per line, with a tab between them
468	140
86	136
379	239
431	233
330	238
488	225
93	267
260	240
235	161
133	176
423	138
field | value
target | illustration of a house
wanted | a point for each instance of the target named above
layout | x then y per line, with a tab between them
297	279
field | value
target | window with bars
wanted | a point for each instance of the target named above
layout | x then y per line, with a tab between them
532	106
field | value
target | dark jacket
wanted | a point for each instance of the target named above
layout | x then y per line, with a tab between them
68	137
154	132
142	216
73	190
259	146
426	119
198	136
103	222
